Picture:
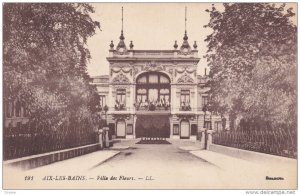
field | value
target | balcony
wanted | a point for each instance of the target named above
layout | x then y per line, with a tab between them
185	108
120	107
152	108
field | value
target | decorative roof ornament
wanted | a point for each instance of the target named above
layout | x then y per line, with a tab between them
121	47
111	45
185	47
195	45
131	45
175	45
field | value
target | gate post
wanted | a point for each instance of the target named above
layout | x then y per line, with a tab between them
100	134
106	136
203	138
209	138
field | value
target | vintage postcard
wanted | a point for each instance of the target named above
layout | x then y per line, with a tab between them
150	96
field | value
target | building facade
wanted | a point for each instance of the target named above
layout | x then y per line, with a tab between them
155	93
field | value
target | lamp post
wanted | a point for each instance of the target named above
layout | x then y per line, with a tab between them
210	110
204	109
105	110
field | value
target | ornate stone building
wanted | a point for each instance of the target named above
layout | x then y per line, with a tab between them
155	93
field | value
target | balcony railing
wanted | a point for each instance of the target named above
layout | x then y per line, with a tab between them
152	107
185	108
120	107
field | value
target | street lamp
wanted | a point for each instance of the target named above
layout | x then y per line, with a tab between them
210	110
204	109
105	110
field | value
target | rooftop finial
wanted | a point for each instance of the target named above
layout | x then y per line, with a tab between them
122	18
185	43
185	19
121	43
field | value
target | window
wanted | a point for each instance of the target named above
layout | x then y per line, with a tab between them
142	79
204	101
129	130
153	78
185	100
165	96
218	126
207	125
120	99
153	91
141	95
153	95
164	79
175	129
102	100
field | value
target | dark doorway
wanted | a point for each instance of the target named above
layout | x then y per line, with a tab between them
152	126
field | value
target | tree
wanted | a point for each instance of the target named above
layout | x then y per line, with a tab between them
45	57
252	58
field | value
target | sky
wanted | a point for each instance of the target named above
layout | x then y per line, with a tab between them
149	26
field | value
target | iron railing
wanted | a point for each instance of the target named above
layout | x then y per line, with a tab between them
281	143
26	140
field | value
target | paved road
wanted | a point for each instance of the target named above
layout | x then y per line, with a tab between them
166	165
141	166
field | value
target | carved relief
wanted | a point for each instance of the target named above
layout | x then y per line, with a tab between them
121	116
185	79
121	78
122	69
152	66
186	69
135	71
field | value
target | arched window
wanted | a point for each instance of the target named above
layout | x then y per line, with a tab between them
153	88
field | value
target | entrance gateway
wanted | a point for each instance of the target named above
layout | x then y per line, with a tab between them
153	126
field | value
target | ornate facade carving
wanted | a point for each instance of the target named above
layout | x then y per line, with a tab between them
121	78
186	69
185	79
121	116
121	69
152	66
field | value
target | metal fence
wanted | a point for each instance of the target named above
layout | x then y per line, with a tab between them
281	143
30	139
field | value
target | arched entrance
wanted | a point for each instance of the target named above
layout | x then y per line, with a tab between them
121	127
184	129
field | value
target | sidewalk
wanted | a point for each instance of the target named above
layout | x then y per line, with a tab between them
252	173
